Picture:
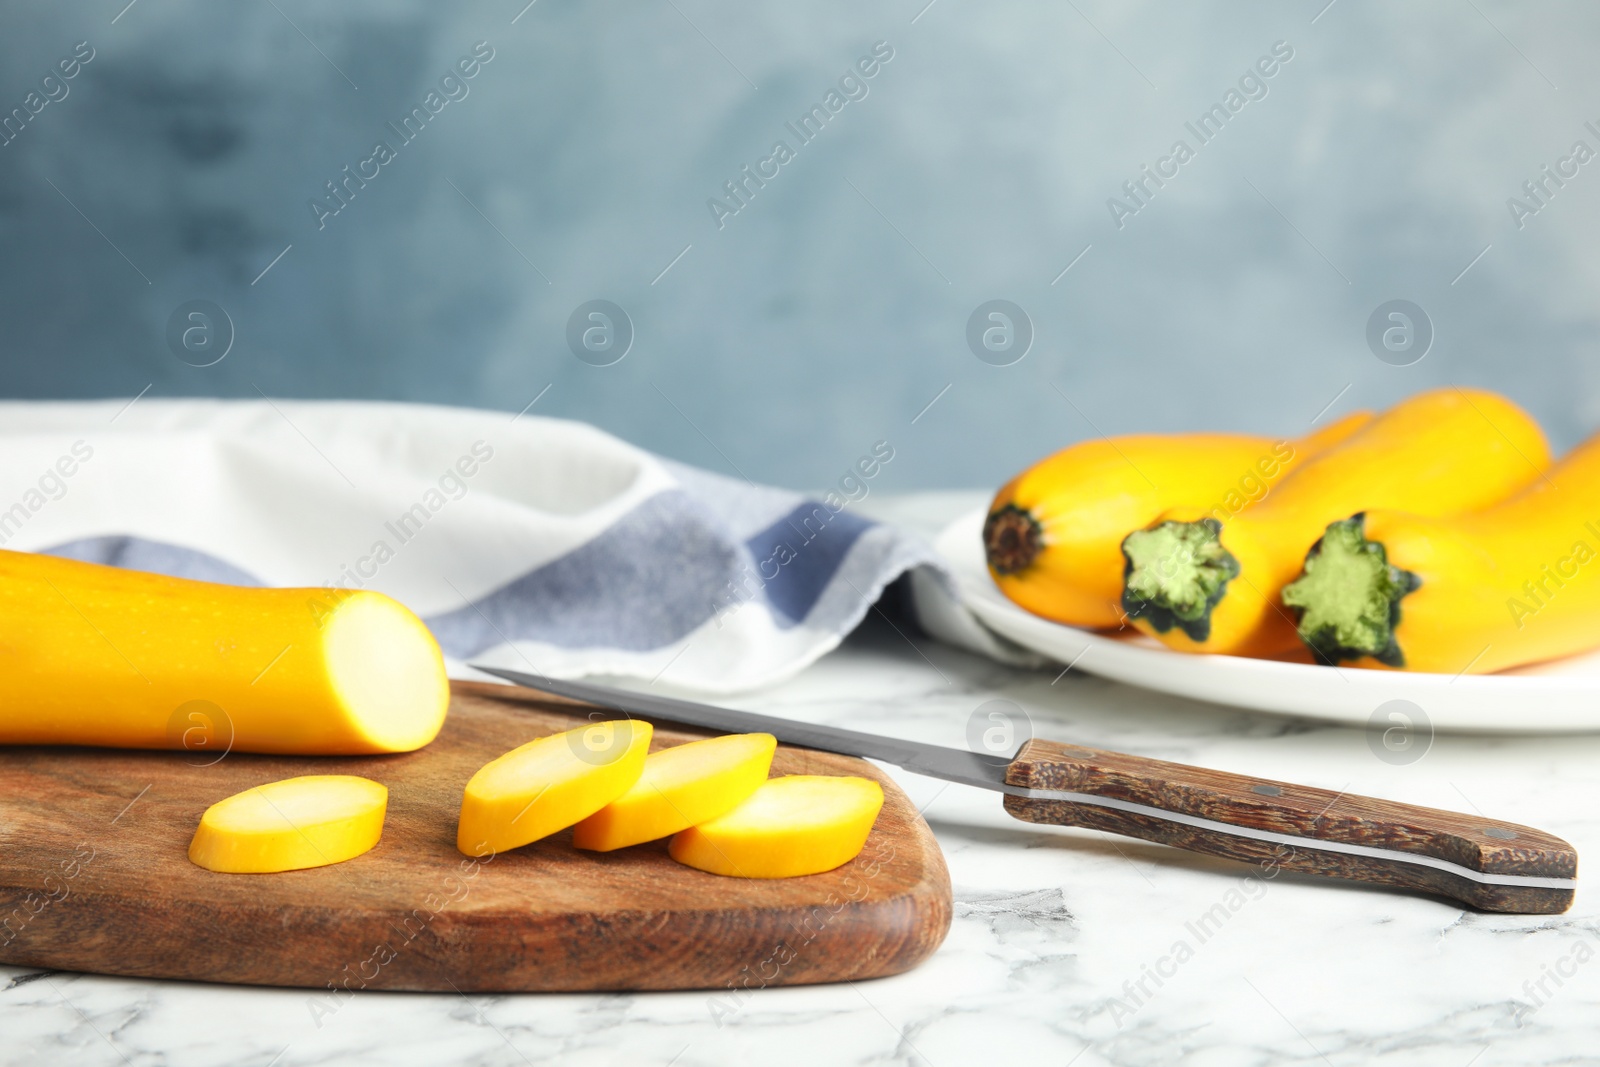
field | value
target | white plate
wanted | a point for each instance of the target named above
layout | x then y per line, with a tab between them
1548	698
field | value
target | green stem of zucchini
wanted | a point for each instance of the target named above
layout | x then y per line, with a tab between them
1012	539
1175	573
1348	596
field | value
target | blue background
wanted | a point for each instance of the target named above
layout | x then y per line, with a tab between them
830	311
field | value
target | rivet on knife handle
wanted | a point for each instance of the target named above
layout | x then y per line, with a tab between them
1489	865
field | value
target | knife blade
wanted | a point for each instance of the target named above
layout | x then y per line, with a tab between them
1486	864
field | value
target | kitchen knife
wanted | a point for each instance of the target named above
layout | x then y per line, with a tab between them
1489	865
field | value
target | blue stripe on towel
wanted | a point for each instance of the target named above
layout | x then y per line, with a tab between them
645	582
817	541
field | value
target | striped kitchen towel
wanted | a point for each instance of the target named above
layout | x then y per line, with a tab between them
525	542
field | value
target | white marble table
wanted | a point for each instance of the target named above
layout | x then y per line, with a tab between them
1054	931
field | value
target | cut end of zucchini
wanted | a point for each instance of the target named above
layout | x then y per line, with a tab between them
1012	539
1348	597
1175	573
387	672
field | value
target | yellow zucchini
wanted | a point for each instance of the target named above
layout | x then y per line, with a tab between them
291	825
1199	585
680	787
94	655
802	824
1053	538
1513	584
549	784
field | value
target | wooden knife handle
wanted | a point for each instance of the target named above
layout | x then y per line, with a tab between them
1488	865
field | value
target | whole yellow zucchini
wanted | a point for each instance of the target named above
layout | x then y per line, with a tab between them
94	655
1053	538
1199	585
1513	584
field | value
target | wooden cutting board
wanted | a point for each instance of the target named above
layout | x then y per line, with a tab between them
95	876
